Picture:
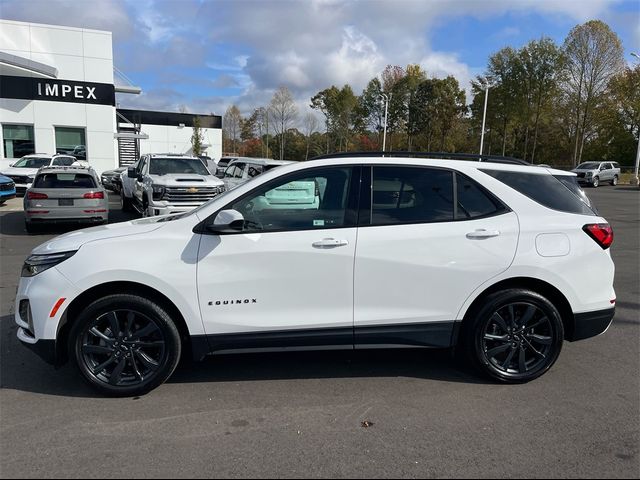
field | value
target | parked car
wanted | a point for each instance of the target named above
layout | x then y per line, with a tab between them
241	170
24	170
222	165
162	184
596	173
7	189
503	260
111	179
65	195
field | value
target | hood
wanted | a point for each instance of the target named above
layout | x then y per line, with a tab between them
74	240
19	171
186	180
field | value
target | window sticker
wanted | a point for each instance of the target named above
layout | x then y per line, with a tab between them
318	223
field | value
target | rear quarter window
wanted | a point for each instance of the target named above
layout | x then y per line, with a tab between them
547	190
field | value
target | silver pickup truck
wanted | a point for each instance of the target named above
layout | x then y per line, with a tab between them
163	184
597	173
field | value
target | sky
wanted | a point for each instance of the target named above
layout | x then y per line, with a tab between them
204	55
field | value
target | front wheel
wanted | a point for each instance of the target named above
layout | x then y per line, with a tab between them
515	336
125	203
125	345
595	182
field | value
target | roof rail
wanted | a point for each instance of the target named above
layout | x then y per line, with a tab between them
436	155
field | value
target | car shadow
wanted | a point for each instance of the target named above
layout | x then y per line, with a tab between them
22	370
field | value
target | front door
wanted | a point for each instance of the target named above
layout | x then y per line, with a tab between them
420	255
286	279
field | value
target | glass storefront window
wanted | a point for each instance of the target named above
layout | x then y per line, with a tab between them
18	140
71	141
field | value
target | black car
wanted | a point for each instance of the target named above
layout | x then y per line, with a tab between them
111	179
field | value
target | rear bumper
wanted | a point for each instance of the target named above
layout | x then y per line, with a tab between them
591	324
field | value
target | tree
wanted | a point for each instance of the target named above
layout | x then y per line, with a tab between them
310	126
231	127
197	138
593	54
284	113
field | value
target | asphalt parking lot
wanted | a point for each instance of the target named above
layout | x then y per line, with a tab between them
300	415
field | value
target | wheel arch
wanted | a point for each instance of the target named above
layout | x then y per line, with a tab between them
98	291
552	293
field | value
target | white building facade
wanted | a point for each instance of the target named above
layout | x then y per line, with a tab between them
57	94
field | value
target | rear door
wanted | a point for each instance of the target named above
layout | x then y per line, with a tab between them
427	240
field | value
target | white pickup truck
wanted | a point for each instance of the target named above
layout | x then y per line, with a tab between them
163	184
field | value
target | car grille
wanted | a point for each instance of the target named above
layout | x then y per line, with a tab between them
5	187
581	175
18	178
191	194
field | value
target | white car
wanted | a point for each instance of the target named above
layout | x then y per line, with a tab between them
165	184
502	260
242	169
24	170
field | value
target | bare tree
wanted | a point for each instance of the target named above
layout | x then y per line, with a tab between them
593	55
231	124
284	113
310	125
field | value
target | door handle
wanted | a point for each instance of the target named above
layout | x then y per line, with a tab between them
482	233
330	243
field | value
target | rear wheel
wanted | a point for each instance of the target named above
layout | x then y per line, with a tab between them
614	180
30	227
515	336
125	345
595	182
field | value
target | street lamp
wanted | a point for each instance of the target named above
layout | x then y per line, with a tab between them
385	98
635	180
484	115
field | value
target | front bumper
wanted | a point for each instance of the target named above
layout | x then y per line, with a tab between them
45	349
7	196
171	209
591	324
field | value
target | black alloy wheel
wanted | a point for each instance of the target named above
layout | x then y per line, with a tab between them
125	345
517	336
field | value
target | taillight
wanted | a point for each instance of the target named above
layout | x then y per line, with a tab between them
36	196
94	195
602	233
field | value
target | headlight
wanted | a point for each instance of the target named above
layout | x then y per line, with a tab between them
589	174
36	264
158	192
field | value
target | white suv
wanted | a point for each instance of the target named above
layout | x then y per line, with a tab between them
503	260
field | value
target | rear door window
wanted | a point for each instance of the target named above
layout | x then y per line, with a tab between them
405	195
547	190
64	180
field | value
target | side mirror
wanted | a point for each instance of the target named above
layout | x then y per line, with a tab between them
227	221
139	177
131	172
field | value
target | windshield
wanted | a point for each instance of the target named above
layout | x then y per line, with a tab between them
588	166
64	180
32	162
164	166
64	161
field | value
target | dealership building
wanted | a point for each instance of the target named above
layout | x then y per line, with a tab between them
58	90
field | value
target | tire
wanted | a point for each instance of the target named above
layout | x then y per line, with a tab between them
496	344
614	180
30	228
141	356
125	203
595	182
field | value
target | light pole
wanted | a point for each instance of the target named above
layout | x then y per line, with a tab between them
385	98
635	180
484	115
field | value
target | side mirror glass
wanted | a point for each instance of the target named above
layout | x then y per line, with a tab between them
227	221
131	172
